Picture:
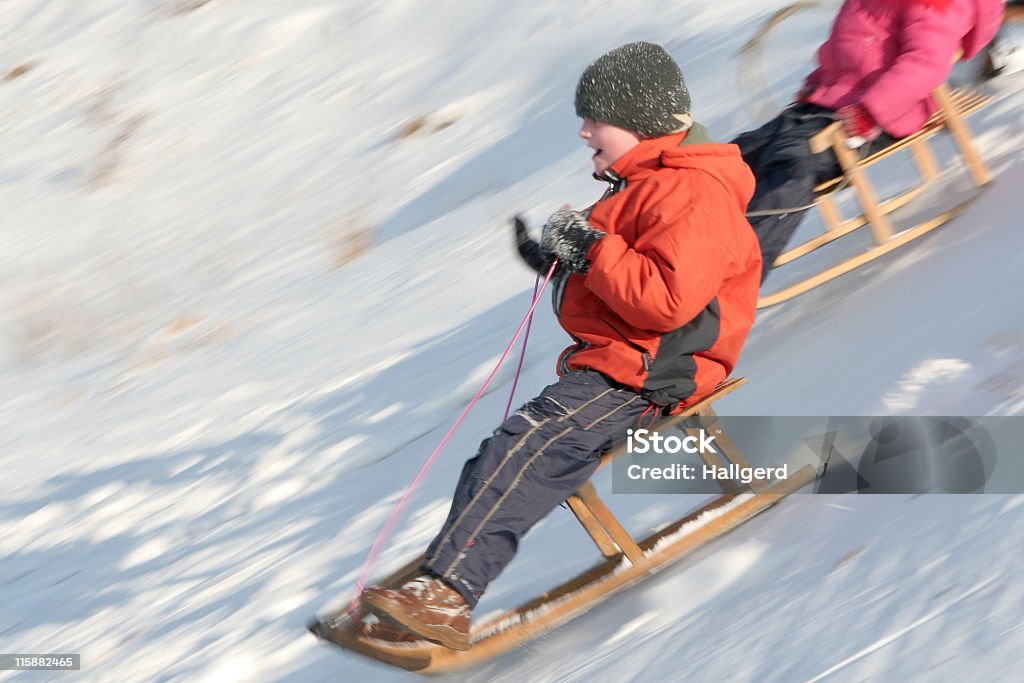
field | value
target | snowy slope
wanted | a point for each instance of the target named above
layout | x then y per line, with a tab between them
255	259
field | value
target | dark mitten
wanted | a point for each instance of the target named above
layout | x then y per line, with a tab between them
568	236
529	248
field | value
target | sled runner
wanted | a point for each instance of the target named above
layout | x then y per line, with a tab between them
627	561
893	221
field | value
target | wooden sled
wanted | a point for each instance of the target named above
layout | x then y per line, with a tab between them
627	561
953	107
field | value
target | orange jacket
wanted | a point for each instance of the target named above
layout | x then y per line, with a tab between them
672	290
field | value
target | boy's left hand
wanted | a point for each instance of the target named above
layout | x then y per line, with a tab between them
569	236
529	248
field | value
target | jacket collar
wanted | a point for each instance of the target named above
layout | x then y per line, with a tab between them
640	161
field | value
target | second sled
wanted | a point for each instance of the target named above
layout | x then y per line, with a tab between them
626	562
930	202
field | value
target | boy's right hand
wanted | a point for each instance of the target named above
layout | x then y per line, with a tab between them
529	248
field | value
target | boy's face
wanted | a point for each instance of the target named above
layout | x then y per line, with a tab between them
609	142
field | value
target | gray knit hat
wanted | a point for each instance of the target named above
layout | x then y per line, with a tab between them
638	87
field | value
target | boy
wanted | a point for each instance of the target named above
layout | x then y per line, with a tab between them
657	285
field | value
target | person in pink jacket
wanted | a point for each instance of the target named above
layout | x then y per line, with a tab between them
876	73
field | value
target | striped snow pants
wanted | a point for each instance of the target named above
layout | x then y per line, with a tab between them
535	460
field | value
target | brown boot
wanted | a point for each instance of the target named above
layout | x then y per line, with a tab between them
382	630
426	606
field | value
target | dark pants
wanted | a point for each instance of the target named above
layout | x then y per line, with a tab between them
539	456
780	156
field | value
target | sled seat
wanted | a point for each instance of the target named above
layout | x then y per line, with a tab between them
963	103
954	107
610	536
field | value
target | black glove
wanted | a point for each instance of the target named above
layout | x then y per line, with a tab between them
529	248
568	236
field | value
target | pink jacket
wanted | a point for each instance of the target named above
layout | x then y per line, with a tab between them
889	55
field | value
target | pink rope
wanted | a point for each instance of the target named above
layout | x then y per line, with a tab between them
385	534
522	353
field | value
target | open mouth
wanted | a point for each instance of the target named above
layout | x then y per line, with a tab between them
596	152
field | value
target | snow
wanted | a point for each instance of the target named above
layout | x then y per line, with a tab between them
256	258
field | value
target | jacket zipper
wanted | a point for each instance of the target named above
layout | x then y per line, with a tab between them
615	184
558	291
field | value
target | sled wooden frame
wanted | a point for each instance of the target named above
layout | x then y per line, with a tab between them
954	106
626	561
